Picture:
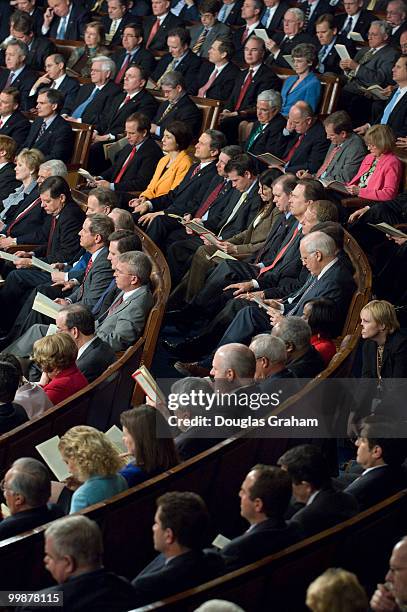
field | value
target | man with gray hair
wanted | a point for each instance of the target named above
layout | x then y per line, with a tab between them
271	359
74	558
17	74
392	596
303	359
265	134
284	42
233	366
93	99
27	488
178	106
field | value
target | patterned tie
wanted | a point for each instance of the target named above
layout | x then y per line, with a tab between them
10	79
293	149
196	170
115	305
210	200
321	57
42	131
122	71
200	41
202	91
125	166
170	68
153	32
347	26
166	112
327	161
245	35
247	82
307	14
87	270
389	107
265	18
62	28
112	31
253	136
24	213
51	234
78	112
280	254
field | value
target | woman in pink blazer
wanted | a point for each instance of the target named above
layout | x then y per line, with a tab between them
379	175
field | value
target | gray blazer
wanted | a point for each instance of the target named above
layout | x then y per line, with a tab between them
376	71
346	162
219	29
96	282
125	325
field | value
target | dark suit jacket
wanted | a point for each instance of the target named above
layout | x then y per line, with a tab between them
114	118
28	519
159	42
188	67
17	127
11	415
40	48
141	169
257	542
8	181
275	239
96	282
98	591
160	579
362	25
5	13
310	153
276	24
65	240
57	142
285	276
394	363
331	61
308	365
24	81
263	79
323	7
378	484
329	508
286	46
32	228
184	110
100	102
117	38
395	38
143	58
69	87
244	216
95	359
235	15
223	85
218	30
76	24
269	140
397	119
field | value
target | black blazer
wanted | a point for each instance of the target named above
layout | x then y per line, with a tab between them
69	87
310	153
362	25
397	119
223	85
378	484
32	227
24	82
331	61
40	48
394	357
284	277
159	42
5	13
395	38
29	519
57	142
269	139
308	365
65	240
276	24
142	57
126	19
322	8
235	15
274	240
184	110
188	67
263	79
244	216
140	171
11	415
114	118
8	181
76	24
17	127
286	46
95	359
38	17
100	102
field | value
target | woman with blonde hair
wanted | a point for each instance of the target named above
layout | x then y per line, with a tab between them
94	462
336	590
80	60
56	356
379	175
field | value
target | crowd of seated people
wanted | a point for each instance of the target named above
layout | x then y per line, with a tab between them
259	297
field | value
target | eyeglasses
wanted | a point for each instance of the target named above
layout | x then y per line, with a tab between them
4	488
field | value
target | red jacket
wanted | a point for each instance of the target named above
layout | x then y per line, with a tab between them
325	347
65	384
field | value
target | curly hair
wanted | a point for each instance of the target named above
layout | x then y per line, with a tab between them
91	450
55	352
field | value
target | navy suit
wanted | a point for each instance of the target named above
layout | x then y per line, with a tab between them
222	87
269	140
102	100
17	127
376	485
323	7
40	48
159	42
76	24
29	519
142	57
69	87
30	228
114	118
362	25
23	82
57	142
117	38
287	45
188	67
310	153
276	24
184	110
95	359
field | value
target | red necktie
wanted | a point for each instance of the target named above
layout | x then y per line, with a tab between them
115	305
196	170
87	270
279	255
327	161
122	71
1	123
293	149
247	82
125	166
9	80
202	90
245	35
24	213
153	32
209	200
51	233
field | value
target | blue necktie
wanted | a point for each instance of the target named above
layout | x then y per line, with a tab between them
222	13
96	308
387	111
62	28
81	263
321	57
78	112
265	18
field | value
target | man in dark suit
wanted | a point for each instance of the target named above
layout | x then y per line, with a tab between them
135	164
35	12
242	102
116	20
13	123
5	12
380	454
313	11
178	106
327	34
27	489
111	125
65	20
50	133
210	29
273	15
94	98
132	53
217	78
271	368
11	414
231	13
354	19
282	43
396	16
264	497
265	135
8	181
55	77
76	544
324	507
251	11
157	26
17	74
179	532
180	59
186	12
39	47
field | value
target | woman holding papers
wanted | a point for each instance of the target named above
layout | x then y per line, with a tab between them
306	85
56	356
171	168
379	175
152	453
93	462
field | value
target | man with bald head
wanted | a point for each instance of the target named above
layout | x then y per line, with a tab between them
233	366
392	596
